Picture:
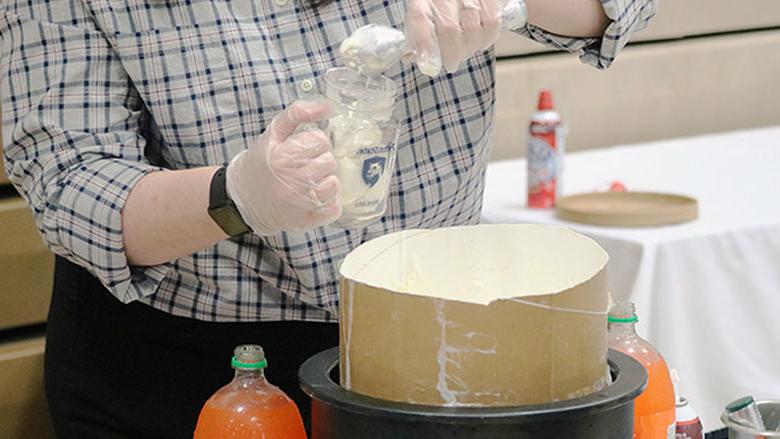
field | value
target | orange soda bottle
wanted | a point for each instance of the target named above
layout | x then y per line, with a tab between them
654	409
249	406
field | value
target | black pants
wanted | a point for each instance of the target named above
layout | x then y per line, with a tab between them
131	371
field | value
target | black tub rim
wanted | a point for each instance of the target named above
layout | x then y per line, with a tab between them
314	377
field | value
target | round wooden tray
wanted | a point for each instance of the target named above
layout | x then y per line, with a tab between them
627	209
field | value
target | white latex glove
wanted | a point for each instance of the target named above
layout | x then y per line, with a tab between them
286	181
447	32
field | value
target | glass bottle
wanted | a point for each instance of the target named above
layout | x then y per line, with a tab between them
364	136
249	406
654	409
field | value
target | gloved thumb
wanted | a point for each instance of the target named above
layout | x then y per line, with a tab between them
299	113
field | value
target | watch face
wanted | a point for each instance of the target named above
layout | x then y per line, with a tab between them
228	220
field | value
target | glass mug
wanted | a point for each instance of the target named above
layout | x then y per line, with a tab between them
364	136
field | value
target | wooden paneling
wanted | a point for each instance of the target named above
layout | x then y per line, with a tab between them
680	18
656	91
26	267
23	413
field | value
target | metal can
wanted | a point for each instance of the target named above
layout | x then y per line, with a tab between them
546	147
688	423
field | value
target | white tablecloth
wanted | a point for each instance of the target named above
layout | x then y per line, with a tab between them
707	292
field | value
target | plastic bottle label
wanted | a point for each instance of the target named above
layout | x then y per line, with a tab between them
545	150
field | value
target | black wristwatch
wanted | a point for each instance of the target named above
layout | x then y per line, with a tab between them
222	209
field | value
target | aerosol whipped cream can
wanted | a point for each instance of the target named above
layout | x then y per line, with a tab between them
545	153
687	425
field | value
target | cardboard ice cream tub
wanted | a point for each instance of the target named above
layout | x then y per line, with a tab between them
487	315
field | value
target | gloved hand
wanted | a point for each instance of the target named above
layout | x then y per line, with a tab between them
286	181
447	32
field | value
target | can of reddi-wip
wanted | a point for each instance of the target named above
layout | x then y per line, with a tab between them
546	146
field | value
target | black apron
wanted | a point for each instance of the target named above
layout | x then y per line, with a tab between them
132	371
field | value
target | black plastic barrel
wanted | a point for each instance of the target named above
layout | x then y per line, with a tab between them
338	413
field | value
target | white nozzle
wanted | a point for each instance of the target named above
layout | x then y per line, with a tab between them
676	384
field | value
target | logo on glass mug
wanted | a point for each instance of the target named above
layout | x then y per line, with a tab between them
373	169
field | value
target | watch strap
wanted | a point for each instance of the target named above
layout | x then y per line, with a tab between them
222	209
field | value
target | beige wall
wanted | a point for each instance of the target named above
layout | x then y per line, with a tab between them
26	267
23	412
687	77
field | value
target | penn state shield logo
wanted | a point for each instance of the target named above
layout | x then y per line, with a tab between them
373	169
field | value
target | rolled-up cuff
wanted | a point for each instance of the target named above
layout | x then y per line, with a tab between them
89	226
626	18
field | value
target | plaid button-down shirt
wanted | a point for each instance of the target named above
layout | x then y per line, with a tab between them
98	93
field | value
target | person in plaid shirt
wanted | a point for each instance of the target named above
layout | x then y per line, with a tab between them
119	119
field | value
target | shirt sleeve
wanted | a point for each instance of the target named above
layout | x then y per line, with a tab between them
72	144
626	17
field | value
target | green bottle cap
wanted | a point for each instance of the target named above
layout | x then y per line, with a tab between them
739	404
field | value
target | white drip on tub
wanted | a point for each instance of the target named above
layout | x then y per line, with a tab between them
350	307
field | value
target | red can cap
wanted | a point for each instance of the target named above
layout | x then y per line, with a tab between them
545	100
